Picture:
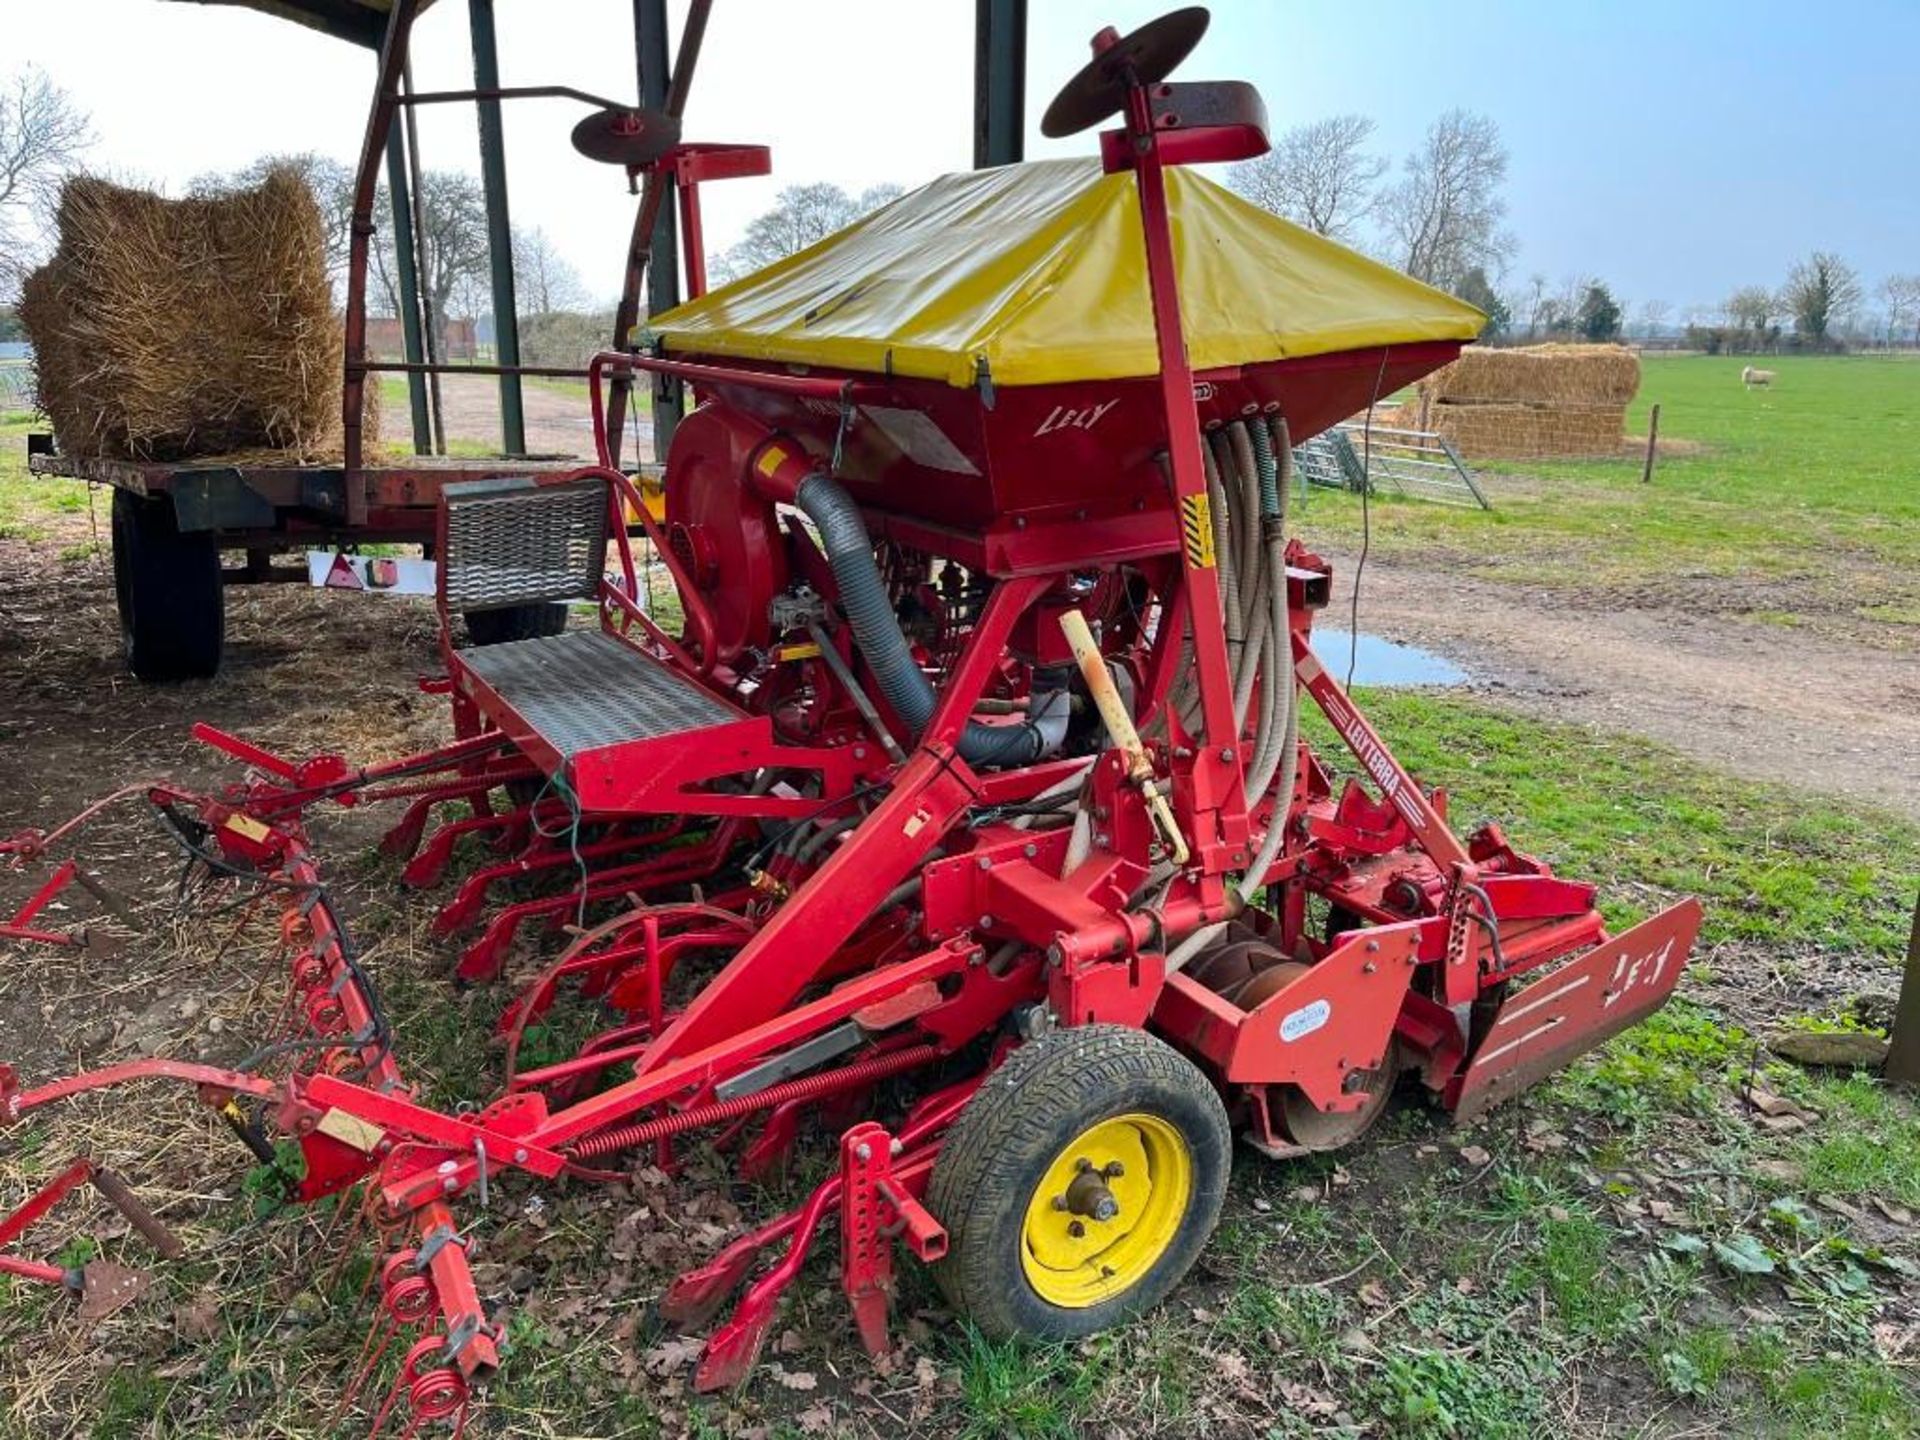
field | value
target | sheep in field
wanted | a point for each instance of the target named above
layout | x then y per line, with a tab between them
1751	377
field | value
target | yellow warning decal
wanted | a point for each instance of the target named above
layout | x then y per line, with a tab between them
771	459
247	826
1196	524
362	1135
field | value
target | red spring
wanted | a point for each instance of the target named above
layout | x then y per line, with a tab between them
812	1087
433	1392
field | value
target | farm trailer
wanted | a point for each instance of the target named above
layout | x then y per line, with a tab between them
969	814
171	522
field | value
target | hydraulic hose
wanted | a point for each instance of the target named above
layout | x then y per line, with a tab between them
1276	750
876	630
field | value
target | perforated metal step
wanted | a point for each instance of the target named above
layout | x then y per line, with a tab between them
584	690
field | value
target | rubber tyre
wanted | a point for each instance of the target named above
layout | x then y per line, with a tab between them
1024	1115
515	622
166	586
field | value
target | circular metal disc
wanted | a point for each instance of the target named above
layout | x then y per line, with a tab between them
1100	89
626	137
1268	980
1319	1129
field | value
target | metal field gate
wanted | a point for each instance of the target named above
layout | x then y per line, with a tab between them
1386	459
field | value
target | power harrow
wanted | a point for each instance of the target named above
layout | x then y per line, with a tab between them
964	808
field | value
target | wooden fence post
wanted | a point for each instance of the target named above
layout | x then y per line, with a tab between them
1653	439
1903	1052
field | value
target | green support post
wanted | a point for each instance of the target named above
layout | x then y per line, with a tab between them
408	274
663	263
999	82
493	180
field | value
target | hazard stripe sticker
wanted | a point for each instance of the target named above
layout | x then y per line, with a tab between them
1196	524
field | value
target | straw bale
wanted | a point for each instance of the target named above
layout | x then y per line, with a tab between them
179	329
1487	432
1538	375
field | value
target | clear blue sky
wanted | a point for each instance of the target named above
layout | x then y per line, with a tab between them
1676	149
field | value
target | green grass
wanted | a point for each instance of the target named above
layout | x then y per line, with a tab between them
1788	482
1773	866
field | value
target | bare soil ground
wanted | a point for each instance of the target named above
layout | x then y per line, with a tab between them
1829	708
557	419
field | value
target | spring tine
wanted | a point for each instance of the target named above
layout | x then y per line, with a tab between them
365	1365
349	1240
386	1405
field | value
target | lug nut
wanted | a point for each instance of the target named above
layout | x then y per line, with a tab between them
1076	1229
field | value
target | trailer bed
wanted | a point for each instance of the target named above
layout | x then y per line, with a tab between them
265	501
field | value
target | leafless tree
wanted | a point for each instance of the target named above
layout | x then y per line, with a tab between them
802	215
1902	296
42	136
1652	316
1535	303
1445	213
1557	313
1318	175
1751	308
1820	293
544	281
450	248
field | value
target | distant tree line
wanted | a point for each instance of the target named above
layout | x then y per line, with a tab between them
1441	219
801	215
1823	301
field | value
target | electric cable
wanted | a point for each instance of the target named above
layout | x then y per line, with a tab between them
1366	518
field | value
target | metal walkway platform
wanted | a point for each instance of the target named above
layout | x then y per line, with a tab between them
583	690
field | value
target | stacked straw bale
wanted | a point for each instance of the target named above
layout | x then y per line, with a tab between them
1540	401
170	330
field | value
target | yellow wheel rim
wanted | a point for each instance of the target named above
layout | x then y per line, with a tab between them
1133	1170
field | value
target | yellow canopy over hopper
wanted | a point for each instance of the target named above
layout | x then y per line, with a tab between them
1039	272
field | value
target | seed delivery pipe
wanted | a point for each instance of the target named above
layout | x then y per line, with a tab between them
876	630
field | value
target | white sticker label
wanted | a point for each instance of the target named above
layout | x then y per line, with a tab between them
334	570
1305	1020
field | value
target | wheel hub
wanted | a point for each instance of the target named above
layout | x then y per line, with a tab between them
1106	1210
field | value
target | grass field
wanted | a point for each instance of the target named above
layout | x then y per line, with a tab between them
1812	481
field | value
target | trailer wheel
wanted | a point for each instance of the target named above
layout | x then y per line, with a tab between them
515	622
166	585
1079	1184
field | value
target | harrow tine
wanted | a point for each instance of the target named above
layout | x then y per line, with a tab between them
137	1215
352	1198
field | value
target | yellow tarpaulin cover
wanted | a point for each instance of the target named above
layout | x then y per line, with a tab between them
1040	271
